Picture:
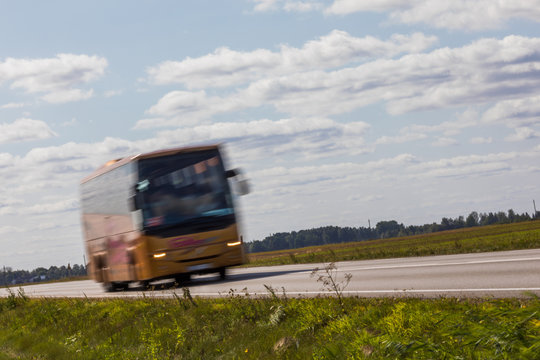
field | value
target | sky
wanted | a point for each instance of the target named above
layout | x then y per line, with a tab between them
340	112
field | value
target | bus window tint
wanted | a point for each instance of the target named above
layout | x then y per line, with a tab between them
178	189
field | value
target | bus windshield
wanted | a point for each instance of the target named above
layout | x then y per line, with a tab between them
184	190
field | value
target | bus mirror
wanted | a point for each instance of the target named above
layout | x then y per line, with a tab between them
242	187
240	183
231	173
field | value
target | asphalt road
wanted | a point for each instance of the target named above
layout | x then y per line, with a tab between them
497	274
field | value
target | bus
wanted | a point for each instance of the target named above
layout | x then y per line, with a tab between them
166	214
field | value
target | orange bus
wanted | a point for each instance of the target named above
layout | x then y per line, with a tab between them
164	214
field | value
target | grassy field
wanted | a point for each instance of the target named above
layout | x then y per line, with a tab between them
525	235
276	326
240	327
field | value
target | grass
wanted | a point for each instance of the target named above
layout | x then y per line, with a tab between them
275	326
267	328
525	235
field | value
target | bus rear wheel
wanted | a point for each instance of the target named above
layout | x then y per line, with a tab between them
115	286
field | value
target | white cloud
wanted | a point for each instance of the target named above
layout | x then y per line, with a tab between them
420	132
470	165
304	137
180	108
111	93
10	229
481	140
265	5
53	207
485	71
302	6
24	130
46	208
58	78
445	141
523	133
287	5
458	14
515	113
400	139
6	160
226	67
60	97
12	106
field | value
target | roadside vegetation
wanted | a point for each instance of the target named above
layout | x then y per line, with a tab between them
382	230
10	277
274	326
513	236
277	326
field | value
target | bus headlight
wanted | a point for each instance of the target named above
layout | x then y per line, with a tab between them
236	243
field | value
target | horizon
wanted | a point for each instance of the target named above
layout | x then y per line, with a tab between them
337	111
324	226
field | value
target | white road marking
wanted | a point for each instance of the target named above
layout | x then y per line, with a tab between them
472	262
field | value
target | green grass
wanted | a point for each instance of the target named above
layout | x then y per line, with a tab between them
525	235
290	328
266	328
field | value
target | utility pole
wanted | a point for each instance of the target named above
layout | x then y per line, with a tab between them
534	206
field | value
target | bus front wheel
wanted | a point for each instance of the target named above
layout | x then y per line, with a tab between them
223	273
181	279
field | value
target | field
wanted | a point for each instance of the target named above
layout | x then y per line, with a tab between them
279	326
525	235
275	326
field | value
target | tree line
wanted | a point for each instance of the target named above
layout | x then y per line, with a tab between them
8	276
298	239
383	229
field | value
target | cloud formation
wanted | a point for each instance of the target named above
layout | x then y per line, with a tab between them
464	15
515	112
456	15
57	78
487	70
24	130
225	67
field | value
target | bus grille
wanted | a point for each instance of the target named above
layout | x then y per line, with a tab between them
198	259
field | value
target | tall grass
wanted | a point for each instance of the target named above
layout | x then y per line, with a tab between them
268	328
524	235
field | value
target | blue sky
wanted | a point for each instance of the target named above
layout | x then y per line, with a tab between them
339	111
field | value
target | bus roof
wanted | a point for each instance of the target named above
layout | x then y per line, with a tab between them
113	164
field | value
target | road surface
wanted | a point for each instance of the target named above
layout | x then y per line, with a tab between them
497	274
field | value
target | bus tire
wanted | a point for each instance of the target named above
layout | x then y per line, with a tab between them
109	287
145	284
223	273
181	279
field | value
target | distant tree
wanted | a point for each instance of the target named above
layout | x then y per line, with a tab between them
511	215
386	229
383	229
472	219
